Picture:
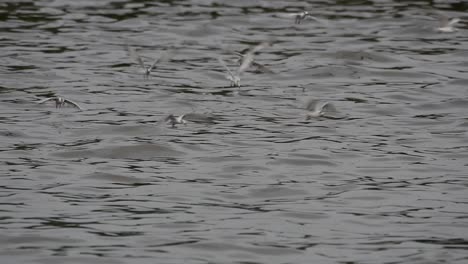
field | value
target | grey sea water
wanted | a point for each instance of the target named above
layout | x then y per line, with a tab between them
248	179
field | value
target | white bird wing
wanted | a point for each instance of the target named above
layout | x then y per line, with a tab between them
320	106
221	61
247	59
134	55
261	46
443	19
70	102
239	54
45	100
325	108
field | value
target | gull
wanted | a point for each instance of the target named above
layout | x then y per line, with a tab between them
174	120
245	62
446	25
60	101
317	108
146	69
300	16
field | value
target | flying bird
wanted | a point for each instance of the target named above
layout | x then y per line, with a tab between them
259	67
318	108
446	25
299	17
190	117
233	78
147	69
246	61
175	120
60	102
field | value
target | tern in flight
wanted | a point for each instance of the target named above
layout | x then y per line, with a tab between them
299	17
146	69
446	25
259	67
245	62
190	117
175	120
318	108
60	102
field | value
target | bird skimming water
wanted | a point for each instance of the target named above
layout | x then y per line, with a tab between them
245	62
318	108
234	78
299	17
259	67
446	25
175	120
190	117
60	102
147	69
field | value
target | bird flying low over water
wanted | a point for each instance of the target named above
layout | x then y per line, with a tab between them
175	120
318	108
446	25
298	17
234	78
190	117
60	102
259	67
246	61
147	69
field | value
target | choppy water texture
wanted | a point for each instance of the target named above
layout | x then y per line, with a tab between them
248	179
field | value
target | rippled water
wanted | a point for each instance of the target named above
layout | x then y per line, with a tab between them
383	180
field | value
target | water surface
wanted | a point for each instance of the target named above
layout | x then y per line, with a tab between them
381	181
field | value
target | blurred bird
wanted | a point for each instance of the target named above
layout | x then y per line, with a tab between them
174	120
446	25
147	69
299	17
318	108
259	67
234	78
60	102
190	117
245	62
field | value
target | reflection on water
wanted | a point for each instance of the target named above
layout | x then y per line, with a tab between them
249	178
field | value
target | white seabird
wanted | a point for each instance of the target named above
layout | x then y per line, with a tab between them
60	102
